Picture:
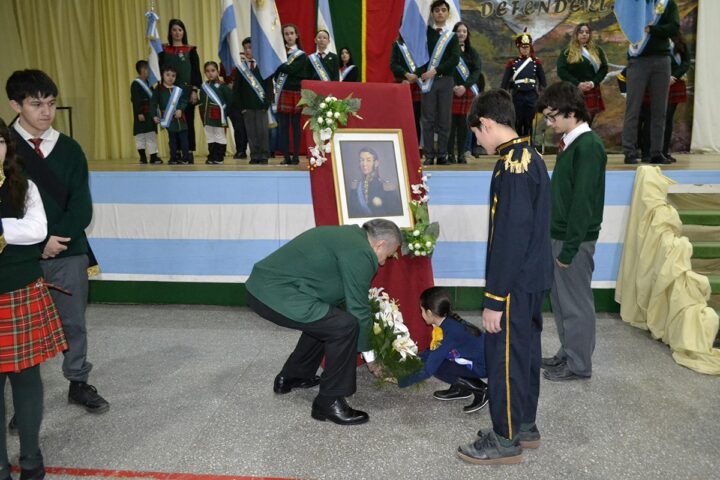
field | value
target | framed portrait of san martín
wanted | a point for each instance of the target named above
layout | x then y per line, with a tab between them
371	179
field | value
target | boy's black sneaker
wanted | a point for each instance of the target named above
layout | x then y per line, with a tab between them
82	393
487	450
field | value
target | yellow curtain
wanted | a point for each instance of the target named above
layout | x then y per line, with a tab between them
89	48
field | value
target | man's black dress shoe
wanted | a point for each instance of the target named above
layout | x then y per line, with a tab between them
550	362
631	159
562	374
660	160
286	385
82	393
37	473
339	412
455	392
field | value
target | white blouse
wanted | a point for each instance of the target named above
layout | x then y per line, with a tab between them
32	228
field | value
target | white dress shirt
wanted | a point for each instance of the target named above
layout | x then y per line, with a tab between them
49	138
30	229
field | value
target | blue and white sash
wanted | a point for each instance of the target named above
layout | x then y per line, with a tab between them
144	86
252	80
214	98
171	107
409	62
436	56
345	72
589	58
464	72
636	49
316	62
282	77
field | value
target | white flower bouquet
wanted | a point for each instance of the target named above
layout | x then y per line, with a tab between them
420	240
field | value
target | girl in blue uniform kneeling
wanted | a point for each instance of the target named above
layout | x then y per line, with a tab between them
456	355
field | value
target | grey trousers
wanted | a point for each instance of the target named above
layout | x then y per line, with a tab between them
574	309
653	73
70	273
258	133
436	116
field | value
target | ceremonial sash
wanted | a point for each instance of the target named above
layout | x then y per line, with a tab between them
589	58
252	80
437	54
636	49
522	67
213	96
409	62
464	72
144	86
282	77
171	107
345	72
316	62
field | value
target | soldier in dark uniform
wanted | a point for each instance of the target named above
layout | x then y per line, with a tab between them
518	274
524	78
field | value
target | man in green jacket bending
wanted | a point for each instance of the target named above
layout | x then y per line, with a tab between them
301	286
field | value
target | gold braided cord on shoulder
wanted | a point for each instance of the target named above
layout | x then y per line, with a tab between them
518	166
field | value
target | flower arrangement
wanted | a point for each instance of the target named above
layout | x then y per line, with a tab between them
390	339
325	113
420	240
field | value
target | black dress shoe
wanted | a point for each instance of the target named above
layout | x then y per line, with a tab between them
286	384
660	160
81	393
670	157
286	161
37	473
631	159
339	412
481	399
429	161
296	161
443	161
562	374
455	392
550	362
472	384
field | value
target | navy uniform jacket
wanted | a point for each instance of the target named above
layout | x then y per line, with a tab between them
530	79
519	256
457	343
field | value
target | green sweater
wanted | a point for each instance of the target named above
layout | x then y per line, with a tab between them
161	97
319	269
19	264
141	106
331	62
295	71
450	57
578	194
582	71
209	109
667	27
68	162
244	96
474	67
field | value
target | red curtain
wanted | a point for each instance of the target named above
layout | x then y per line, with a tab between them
383	27
384	105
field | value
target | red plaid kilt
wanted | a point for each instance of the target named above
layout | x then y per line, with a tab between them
287	103
594	101
30	328
677	93
415	92
461	105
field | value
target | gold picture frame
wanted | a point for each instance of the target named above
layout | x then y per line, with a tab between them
371	176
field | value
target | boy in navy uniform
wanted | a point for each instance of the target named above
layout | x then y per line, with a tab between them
518	275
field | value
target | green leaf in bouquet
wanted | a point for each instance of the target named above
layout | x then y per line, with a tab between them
421	214
433	230
307	97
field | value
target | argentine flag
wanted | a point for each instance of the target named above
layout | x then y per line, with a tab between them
633	16
324	22
229	45
416	18
267	39
151	33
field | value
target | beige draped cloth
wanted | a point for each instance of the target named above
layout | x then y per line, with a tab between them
656	287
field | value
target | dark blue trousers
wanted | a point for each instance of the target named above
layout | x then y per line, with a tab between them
513	358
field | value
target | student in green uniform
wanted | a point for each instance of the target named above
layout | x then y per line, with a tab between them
578	196
302	285
287	94
57	165
215	99
170	101
253	95
466	76
144	128
405	73
323	65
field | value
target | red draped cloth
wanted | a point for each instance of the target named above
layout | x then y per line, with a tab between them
384	105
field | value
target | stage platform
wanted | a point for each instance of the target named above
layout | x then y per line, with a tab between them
191	234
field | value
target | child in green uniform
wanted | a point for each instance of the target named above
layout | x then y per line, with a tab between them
144	127
215	98
171	101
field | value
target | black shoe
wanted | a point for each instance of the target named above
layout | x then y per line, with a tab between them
529	438
12	426
173	161
481	399
455	392
190	159
339	412
462	159
631	160
660	160
550	362
296	161
670	157
286	161
37	473
81	393
645	159
429	161
443	161
451	159
286	385
562	374
240	156
154	160
487	450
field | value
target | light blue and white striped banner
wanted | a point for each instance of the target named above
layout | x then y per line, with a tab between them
213	226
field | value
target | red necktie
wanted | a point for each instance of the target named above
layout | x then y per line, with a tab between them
561	147
37	142
322	55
